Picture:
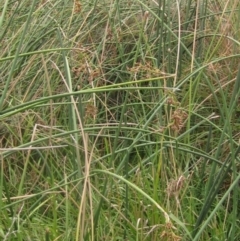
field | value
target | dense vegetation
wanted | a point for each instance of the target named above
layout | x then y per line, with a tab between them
120	120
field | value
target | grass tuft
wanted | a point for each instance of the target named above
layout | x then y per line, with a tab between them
119	120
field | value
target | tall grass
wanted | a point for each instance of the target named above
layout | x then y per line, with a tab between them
119	120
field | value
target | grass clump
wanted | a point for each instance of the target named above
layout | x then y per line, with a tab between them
119	120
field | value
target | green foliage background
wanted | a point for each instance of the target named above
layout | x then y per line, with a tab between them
119	120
